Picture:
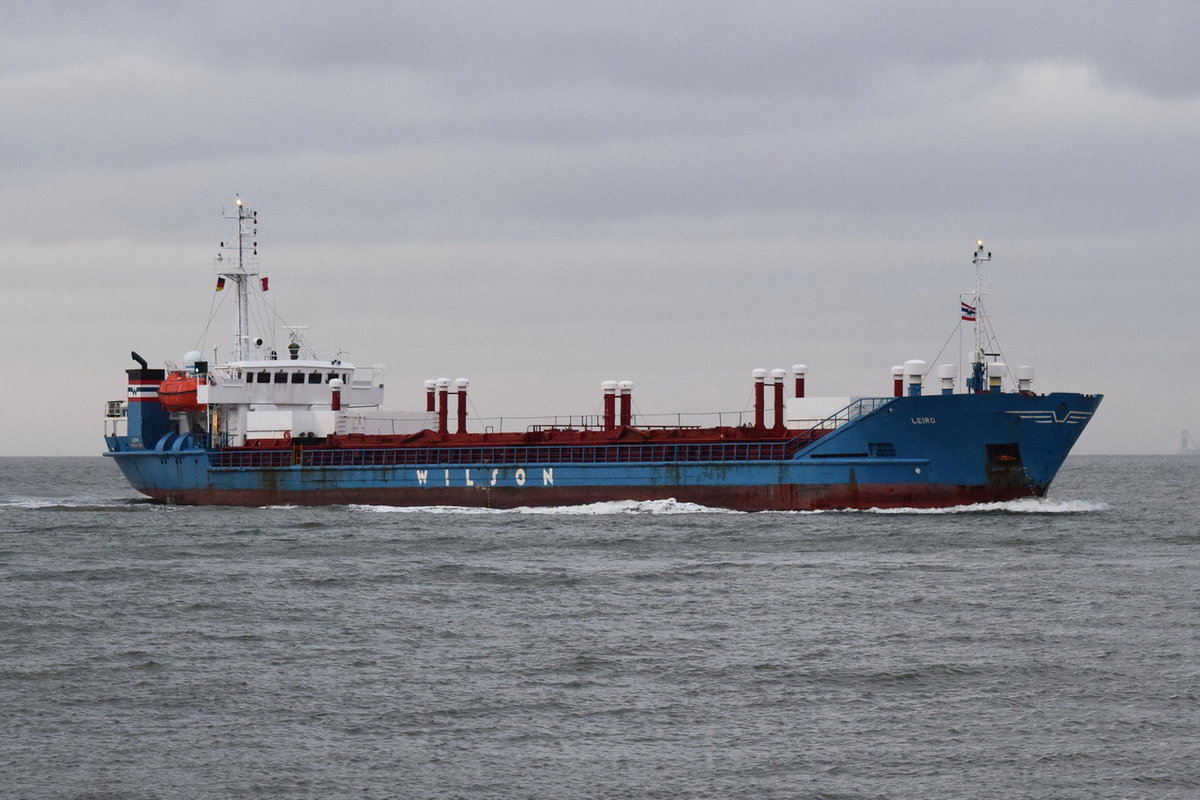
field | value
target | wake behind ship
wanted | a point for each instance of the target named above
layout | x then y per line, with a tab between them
283	426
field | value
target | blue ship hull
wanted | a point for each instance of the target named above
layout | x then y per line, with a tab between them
917	451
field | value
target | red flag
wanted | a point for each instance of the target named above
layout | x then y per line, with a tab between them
264	283
220	284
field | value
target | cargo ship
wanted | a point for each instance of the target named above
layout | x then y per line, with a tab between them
282	426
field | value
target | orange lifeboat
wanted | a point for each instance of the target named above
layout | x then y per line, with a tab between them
178	392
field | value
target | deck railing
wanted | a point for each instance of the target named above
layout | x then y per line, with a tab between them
858	408
516	454
571	453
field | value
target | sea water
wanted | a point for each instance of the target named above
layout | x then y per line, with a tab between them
1035	649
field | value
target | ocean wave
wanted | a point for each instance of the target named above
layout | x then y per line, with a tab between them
611	507
72	504
668	506
1027	505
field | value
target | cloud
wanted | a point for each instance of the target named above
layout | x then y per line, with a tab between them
570	194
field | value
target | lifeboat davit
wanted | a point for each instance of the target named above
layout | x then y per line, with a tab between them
178	392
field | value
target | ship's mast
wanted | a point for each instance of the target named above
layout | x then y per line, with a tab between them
976	384
242	272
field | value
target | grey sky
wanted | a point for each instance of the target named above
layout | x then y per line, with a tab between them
541	196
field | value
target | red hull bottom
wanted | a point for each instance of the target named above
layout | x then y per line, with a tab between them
739	498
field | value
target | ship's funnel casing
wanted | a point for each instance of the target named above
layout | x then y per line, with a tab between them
147	420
